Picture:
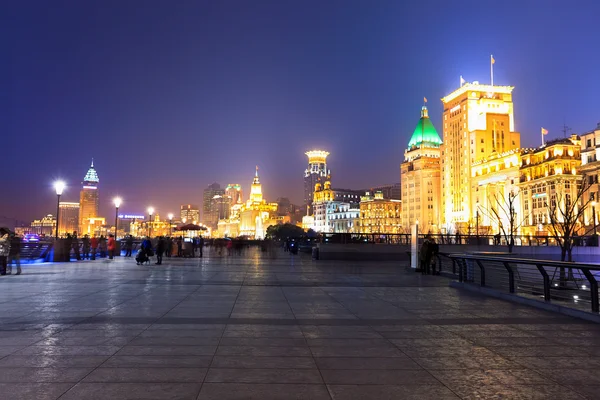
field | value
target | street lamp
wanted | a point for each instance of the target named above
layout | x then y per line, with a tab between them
170	224
150	212
117	201
59	187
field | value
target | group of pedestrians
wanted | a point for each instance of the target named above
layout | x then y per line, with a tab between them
166	246
10	252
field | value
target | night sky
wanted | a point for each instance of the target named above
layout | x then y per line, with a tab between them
170	96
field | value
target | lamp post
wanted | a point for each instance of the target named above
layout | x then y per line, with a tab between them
59	186
594	214
150	212
117	201
170	224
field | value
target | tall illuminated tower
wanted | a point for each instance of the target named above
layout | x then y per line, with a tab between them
256	189
420	177
478	122
88	200
316	171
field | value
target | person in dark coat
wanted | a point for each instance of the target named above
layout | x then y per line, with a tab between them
179	247
201	245
128	245
160	249
86	247
94	245
76	246
14	254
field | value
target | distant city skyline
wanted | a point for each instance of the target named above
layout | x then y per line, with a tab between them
168	106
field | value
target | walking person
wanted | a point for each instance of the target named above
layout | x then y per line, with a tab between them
102	246
14	254
94	244
179	247
86	247
201	245
4	249
112	246
160	249
76	247
128	245
168	246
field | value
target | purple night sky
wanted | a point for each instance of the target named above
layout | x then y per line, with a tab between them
170	96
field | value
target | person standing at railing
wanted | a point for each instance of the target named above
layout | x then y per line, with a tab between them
76	247
86	247
128	245
94	244
429	249
112	246
4	249
14	254
102	246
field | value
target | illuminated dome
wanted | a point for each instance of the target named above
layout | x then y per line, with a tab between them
425	133
92	175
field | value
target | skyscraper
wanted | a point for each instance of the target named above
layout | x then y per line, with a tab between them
420	177
316	171
210	215
190	213
478	122
88	200
68	218
234	191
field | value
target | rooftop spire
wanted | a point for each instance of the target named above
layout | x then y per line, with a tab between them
92	163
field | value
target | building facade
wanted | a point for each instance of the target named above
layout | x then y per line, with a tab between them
590	170
88	202
379	215
190	213
235	193
478	121
344	219
68	218
45	226
315	172
548	177
324	204
420	178
210	215
391	191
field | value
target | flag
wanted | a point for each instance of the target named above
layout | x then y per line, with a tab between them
424	99
544	131
462	81
493	61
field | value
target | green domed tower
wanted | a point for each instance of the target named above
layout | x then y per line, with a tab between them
425	133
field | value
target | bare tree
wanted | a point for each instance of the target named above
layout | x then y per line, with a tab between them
565	213
505	210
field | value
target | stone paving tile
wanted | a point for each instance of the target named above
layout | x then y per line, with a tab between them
167	351
517	392
42	375
150	375
371	363
391	392
377	377
262	362
38	391
235	391
158	361
133	391
59	361
248	375
587	391
263	351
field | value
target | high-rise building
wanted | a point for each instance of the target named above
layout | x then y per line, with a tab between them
420	177
88	201
316	171
190	213
68	218
210	216
379	215
478	122
590	169
234	191
392	191
221	205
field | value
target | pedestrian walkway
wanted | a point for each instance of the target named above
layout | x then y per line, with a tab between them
278	327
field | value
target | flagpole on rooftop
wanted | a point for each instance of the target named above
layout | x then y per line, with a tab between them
492	61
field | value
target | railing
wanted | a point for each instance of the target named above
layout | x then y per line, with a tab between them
447	239
570	284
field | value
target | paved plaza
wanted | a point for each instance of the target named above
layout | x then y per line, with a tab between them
276	326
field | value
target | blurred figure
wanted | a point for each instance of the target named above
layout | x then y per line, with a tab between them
128	245
102	246
4	249
94	244
76	247
86	247
160	249
14	254
112	246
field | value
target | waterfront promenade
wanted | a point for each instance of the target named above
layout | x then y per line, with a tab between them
276	326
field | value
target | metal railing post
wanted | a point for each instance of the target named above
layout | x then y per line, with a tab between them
540	267
593	289
511	277
482	272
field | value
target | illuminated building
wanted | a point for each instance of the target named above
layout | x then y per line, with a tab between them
393	191
478	122
221	205
344	219
379	215
129	223
286	208
155	227
88	201
235	193
348	196
210	216
316	171
190	213
45	226
420	177
590	169
548	175
492	181
68	218
251	218
324	204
